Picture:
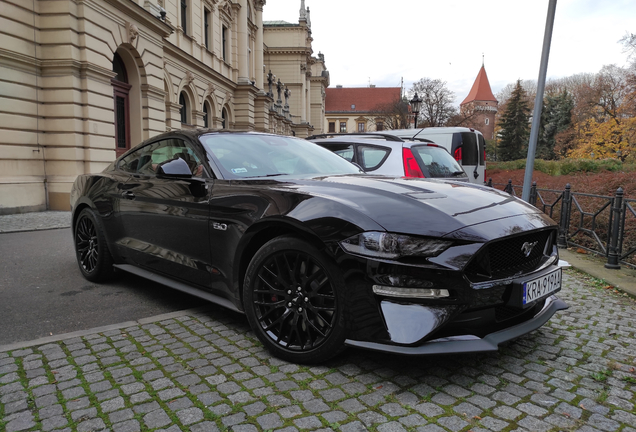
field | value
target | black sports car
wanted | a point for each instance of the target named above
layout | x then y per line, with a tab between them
315	253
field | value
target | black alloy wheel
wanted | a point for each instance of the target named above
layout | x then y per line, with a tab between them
93	256
293	301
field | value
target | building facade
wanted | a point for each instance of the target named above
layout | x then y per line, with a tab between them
360	109
81	81
480	106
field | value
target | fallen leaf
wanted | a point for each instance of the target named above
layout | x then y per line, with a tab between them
54	372
581	251
477	417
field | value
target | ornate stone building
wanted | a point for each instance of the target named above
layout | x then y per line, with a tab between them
482	105
81	81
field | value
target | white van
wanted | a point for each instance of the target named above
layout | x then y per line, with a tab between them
467	146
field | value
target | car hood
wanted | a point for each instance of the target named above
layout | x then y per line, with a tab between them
423	206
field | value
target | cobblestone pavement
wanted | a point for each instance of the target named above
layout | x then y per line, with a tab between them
35	221
205	371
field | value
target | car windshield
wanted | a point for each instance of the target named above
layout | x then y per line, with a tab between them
438	161
254	155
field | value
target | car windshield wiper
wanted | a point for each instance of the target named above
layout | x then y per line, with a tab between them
456	173
267	175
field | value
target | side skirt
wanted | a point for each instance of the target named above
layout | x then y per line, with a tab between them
178	286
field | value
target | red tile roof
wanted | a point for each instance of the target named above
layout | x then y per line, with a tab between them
365	99
481	89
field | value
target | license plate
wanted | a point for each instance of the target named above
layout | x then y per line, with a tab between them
541	286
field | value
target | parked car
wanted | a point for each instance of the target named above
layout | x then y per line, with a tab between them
467	146
318	255
385	154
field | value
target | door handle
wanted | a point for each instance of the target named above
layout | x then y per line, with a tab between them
128	195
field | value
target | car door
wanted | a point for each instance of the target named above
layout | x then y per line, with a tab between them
164	217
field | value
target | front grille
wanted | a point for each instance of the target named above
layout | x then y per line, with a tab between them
506	257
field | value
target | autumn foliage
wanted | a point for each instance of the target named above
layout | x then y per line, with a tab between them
590	116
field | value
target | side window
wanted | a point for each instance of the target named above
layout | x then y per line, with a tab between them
372	157
482	150
469	149
149	158
345	151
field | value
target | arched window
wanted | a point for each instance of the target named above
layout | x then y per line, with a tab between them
121	90
224	119
206	115
184	108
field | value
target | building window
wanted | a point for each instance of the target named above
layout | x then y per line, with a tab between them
343	127
487	121
121	88
224	119
224	41
206	116
206	24
360	127
184	16
332	127
184	108
379	126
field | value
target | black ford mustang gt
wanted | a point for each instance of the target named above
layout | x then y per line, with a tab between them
316	254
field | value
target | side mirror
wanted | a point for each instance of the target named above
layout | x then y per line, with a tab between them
174	168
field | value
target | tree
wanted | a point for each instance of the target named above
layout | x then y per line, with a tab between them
392	115
437	102
556	117
515	128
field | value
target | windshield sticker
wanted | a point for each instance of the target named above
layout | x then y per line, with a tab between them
238	170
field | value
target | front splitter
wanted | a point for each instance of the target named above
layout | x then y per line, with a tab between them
470	344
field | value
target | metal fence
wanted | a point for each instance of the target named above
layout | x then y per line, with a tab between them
603	225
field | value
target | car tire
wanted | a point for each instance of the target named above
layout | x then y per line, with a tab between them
93	257
294	299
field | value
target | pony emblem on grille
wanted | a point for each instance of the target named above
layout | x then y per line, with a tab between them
527	247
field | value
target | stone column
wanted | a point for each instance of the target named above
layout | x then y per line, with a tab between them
258	44
243	38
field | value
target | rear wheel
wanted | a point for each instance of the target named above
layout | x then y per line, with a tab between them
93	257
293	301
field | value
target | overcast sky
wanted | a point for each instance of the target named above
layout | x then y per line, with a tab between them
381	42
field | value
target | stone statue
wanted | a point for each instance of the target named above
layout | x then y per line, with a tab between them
287	95
279	87
270	80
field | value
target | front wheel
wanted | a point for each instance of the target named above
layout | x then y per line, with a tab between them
293	298
93	257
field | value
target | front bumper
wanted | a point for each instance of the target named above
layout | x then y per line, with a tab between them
470	343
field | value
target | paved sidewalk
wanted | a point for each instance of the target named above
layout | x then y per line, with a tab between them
204	370
35	221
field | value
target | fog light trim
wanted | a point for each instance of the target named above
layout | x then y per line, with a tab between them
427	293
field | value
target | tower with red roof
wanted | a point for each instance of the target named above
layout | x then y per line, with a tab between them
482	103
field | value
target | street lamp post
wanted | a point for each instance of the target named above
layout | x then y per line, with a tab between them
416	103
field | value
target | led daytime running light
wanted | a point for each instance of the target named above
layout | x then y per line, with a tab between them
410	292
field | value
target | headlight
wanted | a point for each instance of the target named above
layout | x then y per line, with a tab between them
391	246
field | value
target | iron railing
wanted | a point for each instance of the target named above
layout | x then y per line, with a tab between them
595	223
